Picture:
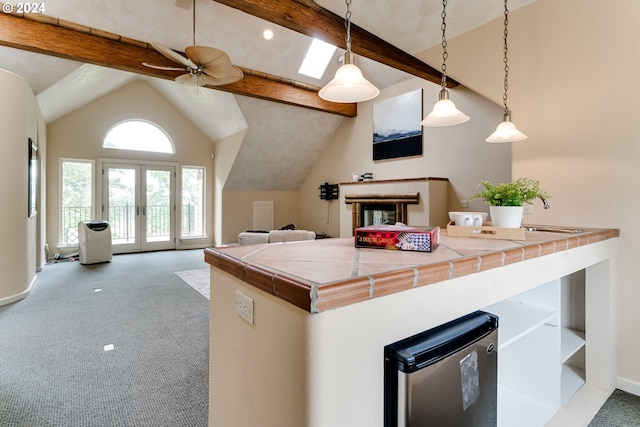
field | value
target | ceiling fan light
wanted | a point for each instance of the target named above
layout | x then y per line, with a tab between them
506	132
348	85
444	113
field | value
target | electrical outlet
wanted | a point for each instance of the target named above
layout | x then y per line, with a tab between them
464	204
244	307
528	209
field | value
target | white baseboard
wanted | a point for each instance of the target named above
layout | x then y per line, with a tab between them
629	386
196	246
18	296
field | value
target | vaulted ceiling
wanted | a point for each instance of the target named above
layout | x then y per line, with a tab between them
288	125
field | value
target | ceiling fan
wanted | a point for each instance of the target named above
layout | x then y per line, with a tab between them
204	65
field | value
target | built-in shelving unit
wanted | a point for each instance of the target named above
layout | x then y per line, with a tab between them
541	343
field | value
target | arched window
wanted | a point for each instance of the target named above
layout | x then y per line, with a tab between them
138	135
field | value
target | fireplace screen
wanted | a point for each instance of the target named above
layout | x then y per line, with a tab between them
375	214
374	209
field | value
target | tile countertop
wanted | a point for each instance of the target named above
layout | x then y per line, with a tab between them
320	275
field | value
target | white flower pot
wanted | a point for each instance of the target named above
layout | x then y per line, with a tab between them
506	216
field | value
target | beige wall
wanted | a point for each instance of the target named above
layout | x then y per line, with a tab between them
573	72
256	372
226	151
22	251
458	153
237	210
79	135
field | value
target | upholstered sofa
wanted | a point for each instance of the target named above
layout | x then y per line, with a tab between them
274	236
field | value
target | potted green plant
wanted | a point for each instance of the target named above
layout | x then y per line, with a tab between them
507	200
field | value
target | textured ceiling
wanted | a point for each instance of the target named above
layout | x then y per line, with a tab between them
283	160
282	142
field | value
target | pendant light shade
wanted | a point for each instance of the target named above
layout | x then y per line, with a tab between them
444	112
348	85
506	131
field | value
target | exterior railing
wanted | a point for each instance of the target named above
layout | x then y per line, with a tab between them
192	221
71	216
122	221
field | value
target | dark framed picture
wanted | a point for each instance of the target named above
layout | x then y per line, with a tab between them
397	131
32	208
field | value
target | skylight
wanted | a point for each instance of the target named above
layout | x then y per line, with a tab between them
317	59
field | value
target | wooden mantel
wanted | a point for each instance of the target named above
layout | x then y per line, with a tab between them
410	198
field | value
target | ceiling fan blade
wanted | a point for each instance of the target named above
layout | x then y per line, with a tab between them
216	63
205	80
231	75
190	80
174	56
160	67
207	56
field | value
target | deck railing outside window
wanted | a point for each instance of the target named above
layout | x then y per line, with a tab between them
122	222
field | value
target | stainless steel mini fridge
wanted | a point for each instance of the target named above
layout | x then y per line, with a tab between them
445	376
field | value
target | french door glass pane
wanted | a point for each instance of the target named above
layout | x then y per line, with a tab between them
122	204
158	206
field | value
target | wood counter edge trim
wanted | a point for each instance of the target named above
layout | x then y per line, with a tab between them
316	299
286	288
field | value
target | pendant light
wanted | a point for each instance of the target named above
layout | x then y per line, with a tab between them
444	111
348	85
506	131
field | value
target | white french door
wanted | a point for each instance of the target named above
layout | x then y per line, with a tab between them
138	200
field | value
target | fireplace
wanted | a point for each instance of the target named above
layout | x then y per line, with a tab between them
373	209
377	213
415	201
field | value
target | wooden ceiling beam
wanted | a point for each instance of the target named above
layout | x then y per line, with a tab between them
63	39
310	19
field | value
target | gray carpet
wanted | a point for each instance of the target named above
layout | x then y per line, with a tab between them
620	410
54	370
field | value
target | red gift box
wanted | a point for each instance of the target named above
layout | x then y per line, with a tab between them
398	237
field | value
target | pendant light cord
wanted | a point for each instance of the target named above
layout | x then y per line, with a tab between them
347	25
445	55
505	49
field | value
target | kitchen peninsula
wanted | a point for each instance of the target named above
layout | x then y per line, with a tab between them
324	310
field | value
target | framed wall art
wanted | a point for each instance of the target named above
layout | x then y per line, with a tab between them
397	131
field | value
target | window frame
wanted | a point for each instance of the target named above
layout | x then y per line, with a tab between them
143	121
